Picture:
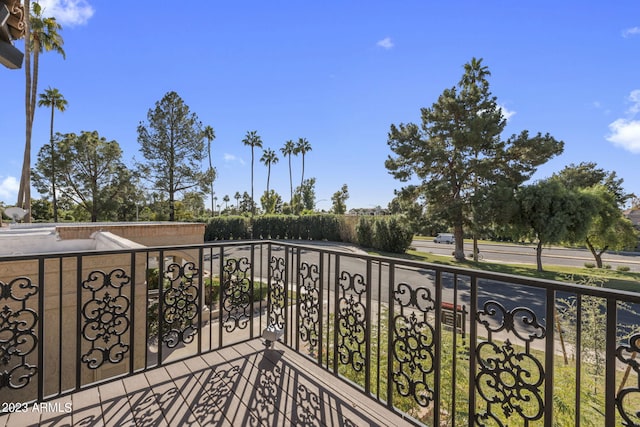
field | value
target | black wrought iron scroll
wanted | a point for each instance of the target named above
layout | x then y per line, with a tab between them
277	273
413	344
106	317
309	299
351	321
180	304
508	379
236	294
18	338
628	397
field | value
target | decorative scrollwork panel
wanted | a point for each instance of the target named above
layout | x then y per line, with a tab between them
180	304
236	294
18	337
309	303
628	397
413	344
351	321
277	272
106	317
509	380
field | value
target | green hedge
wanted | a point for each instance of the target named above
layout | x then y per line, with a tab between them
383	233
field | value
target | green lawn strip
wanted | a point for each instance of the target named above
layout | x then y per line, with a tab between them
626	281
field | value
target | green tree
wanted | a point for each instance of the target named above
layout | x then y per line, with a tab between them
54	99
41	210
173	146
253	140
269	158
609	229
192	205
305	196
237	196
271	202
91	173
210	135
43	36
289	149
549	213
458	151
302	147
339	200
226	200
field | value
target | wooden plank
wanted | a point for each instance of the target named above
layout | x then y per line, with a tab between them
115	404
144	405
176	411
86	407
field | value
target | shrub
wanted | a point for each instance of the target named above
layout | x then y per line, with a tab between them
623	268
589	265
364	231
226	228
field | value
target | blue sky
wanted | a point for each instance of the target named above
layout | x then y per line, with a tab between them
337	73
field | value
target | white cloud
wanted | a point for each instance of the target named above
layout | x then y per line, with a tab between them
9	189
385	43
625	132
68	12
506	113
230	158
631	32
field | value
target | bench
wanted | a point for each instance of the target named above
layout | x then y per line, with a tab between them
454	317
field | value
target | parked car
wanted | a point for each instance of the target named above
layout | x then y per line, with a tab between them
445	238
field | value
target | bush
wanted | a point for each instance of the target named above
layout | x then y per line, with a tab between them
364	231
623	268
226	228
589	265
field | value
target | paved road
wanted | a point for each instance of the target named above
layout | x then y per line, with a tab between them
525	254
508	295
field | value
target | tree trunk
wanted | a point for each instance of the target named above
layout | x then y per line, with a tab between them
596	255
290	182
539	256
27	69
458	233
53	169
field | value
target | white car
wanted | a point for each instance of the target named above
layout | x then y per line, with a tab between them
445	238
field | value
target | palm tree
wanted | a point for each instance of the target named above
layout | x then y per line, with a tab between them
226	199
213	206
253	140
42	34
237	196
289	149
268	158
302	147
210	135
54	99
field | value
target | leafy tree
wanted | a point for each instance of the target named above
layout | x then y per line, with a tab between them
54	99
550	213
246	204
458	151
269	158
271	202
609	229
253	140
339	199
305	196
90	172
41	210
43	35
289	149
210	135
192	205
173	146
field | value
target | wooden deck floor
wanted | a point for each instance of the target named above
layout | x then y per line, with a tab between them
242	385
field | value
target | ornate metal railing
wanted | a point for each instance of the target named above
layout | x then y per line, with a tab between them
442	345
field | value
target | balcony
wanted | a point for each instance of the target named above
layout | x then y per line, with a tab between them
172	334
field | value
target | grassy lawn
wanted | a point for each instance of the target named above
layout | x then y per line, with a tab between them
626	281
